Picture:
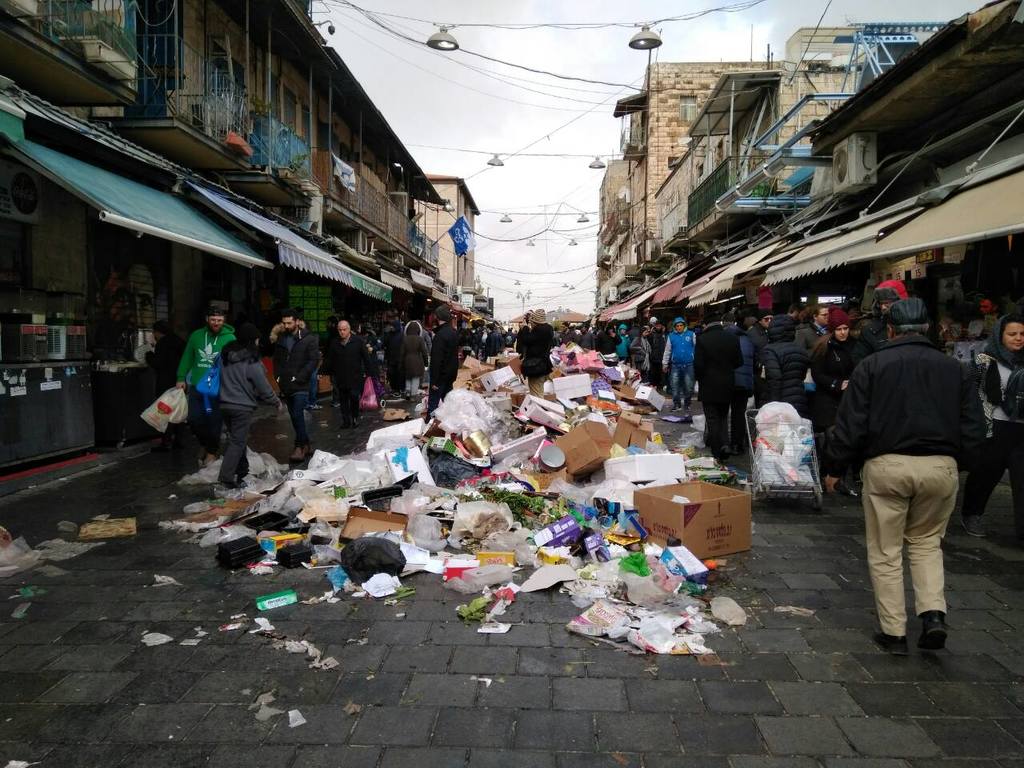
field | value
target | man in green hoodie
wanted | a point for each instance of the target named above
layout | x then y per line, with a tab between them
200	354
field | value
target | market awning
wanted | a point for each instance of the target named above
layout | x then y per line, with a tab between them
295	251
396	281
722	282
628	308
440	296
697	284
424	282
843	245
127	203
667	293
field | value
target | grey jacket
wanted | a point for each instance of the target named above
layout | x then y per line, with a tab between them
243	379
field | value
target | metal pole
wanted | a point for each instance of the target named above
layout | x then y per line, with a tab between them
270	102
330	133
177	55
248	61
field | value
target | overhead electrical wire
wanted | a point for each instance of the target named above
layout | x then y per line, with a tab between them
612	155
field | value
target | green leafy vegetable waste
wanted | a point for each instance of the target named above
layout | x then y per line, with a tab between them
523	507
635	563
475	610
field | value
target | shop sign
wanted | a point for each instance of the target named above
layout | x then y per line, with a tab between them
929	257
20	191
954	254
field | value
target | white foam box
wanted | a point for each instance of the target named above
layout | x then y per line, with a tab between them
498	378
527	444
645	468
570	387
651	396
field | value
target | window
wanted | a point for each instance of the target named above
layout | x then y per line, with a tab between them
289	111
688	109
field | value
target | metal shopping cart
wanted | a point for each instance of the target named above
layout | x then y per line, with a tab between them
783	461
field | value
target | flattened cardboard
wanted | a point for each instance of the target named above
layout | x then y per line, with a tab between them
716	521
548	576
107	529
586	448
362	520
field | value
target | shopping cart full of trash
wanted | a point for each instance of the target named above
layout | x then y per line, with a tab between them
784	459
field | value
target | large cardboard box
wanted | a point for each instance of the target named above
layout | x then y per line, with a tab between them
586	448
632	431
715	521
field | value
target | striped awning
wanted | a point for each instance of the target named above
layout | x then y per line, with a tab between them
396	281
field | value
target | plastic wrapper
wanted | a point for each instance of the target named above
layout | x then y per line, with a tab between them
776	413
411	502
643	590
728	610
656	634
477	579
691	440
363	558
478	519
224	534
17	556
321	533
426	532
464	411
516	540
448	471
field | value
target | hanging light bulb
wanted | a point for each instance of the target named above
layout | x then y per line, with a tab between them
573	242
644	40
530	243
448	207
442	40
583	219
495	161
598	163
506	219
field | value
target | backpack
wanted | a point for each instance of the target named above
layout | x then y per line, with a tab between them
209	385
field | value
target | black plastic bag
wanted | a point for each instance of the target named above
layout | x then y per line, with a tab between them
448	471
364	557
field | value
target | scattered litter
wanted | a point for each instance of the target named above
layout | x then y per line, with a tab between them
295	718
102	528
19	764
276	600
231	627
52	571
485	680
382	585
353	709
794	610
58	550
728	610
263	709
494	628
165	581
155	638
20	611
262	625
28	591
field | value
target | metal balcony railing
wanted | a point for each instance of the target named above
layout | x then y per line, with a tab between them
101	31
276	145
175	80
729	172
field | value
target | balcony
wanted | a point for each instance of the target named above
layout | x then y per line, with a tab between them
615	221
632	141
188	108
71	51
701	201
370	205
277	146
707	221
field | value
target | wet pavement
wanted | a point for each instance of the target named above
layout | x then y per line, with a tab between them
80	689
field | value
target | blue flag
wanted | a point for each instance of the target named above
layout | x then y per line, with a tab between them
462	237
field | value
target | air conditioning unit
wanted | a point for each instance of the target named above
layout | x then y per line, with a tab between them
855	162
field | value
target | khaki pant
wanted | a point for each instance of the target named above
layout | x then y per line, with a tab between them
907	499
537	385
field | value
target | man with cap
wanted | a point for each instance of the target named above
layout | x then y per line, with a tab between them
444	359
657	341
910	413
873	331
758	335
717	355
677	362
201	352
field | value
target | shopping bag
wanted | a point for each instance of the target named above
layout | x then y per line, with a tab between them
368	402
164	410
378	387
177	401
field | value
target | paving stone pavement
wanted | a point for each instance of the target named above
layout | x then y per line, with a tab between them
79	689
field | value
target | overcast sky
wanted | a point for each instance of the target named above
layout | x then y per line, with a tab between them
436	99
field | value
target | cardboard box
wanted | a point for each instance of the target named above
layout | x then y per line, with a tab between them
569	387
362	520
715	521
586	448
651	396
624	428
498	378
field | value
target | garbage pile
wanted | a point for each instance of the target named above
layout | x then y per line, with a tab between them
503	493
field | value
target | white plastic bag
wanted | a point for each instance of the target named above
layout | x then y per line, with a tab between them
17	556
170	408
476	579
479	519
425	532
728	610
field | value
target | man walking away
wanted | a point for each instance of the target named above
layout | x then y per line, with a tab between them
164	361
296	354
495	343
243	384
350	362
677	362
414	359
716	357
393	337
911	413
200	355
444	359
537	344
873	330
743	386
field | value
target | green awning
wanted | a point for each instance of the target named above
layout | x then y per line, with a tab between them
126	203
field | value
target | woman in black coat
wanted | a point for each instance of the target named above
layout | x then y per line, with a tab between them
831	367
785	365
536	343
607	340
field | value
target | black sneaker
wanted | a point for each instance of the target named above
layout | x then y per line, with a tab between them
897	646
933	631
973	526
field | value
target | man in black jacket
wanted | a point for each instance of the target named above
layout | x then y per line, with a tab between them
910	413
715	360
348	361
296	354
444	359
657	341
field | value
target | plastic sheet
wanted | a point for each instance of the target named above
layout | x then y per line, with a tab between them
222	535
728	610
464	411
448	471
426	533
476	579
478	519
17	556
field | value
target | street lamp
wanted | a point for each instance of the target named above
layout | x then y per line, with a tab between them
530	243
448	207
644	40
524	297
506	219
573	242
495	161
442	40
598	164
583	219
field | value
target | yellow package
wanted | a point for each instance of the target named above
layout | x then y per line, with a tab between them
496	558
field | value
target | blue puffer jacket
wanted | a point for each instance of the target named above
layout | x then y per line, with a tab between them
681	346
745	373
